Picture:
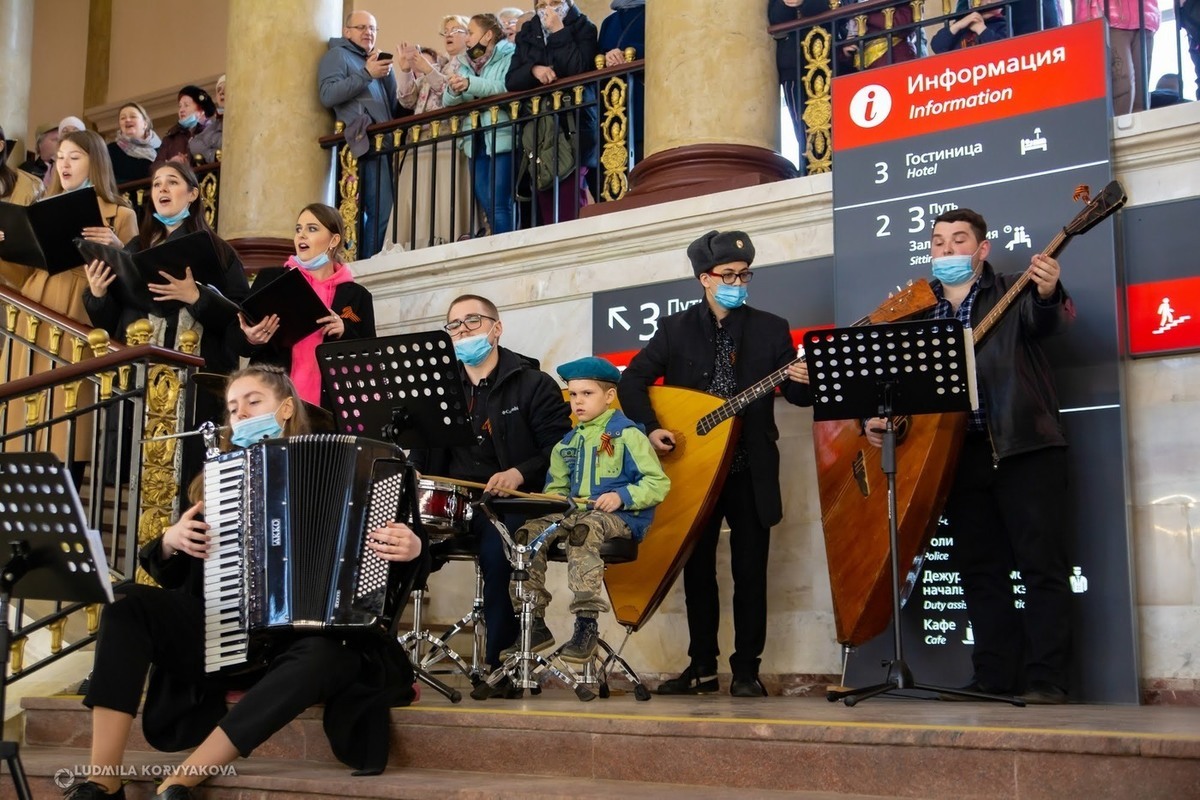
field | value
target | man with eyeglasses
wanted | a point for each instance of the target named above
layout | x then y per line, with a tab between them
519	414
723	346
356	81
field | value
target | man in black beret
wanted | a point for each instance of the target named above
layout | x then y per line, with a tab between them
723	346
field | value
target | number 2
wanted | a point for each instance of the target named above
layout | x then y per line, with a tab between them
883	225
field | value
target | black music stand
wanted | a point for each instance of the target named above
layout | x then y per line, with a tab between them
405	389
53	555
906	368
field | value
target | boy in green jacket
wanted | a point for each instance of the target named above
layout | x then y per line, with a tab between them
608	466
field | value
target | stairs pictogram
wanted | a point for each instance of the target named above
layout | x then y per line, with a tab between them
1173	323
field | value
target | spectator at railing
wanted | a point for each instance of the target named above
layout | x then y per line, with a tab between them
974	27
46	145
360	88
1131	27
319	256
509	19
1167	91
196	112
421	78
176	211
1189	20
626	27
481	73
70	125
558	43
136	145
219	96
19	188
1025	16
872	50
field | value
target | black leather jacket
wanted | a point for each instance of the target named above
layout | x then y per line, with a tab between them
1016	383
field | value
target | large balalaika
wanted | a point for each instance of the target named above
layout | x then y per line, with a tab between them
289	520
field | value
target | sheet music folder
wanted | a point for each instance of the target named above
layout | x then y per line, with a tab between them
173	256
291	298
42	235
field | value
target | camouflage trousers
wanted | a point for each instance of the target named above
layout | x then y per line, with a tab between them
584	532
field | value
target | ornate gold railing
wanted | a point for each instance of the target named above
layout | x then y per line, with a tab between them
70	390
610	90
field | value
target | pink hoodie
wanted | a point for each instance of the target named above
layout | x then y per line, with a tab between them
305	374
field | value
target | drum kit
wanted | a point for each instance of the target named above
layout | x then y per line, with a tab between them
447	507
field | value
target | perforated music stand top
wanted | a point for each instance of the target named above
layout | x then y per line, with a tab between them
410	381
39	506
921	367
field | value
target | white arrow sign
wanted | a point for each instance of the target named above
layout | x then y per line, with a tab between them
614	315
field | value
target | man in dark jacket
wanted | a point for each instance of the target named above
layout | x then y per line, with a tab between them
723	346
519	414
1006	505
360	87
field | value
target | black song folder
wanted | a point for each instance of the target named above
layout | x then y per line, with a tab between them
42	235
173	256
291	297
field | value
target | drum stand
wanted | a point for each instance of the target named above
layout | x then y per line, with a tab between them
598	667
522	666
439	645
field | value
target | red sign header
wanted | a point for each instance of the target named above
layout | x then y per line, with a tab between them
1054	68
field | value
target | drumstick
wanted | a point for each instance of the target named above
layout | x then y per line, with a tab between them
512	492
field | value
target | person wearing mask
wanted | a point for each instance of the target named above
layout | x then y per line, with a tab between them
196	110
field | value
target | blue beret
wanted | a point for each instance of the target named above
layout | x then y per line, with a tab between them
589	369
715	248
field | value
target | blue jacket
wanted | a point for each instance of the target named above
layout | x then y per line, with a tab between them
581	466
487	83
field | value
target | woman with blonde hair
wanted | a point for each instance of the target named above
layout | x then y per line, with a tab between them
136	145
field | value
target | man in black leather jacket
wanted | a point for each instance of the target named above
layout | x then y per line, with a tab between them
1006	506
723	347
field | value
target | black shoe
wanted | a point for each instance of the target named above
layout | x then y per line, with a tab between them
175	792
582	646
504	690
692	680
540	638
84	685
973	686
747	686
1041	693
92	791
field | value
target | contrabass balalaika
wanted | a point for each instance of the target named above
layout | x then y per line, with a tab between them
289	521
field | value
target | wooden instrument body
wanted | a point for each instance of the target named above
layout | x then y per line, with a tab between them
854	511
697	468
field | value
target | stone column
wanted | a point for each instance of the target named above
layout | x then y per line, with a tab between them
712	102
16	54
271	165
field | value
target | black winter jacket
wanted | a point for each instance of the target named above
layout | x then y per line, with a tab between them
1016	384
527	416
682	352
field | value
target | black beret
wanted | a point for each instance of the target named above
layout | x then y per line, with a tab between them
591	368
715	248
201	98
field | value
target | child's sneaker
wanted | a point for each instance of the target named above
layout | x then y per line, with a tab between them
582	646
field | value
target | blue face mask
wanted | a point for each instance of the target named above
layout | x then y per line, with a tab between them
254	429
313	264
953	270
175	220
473	350
190	121
731	296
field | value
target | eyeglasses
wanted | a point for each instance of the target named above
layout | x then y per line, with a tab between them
471	322
453	31
730	278
361	28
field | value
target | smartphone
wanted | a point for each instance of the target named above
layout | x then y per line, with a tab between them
385	56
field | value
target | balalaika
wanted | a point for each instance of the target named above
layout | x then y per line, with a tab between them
289	520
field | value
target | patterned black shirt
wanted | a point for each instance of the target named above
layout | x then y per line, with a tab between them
724	384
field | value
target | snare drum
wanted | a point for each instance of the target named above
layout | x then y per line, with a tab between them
445	508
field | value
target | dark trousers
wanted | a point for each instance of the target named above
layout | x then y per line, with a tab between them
1004	518
500	622
749	546
377	198
149	625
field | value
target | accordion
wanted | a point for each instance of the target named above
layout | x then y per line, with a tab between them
288	521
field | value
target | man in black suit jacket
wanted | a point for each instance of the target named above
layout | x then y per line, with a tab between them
722	346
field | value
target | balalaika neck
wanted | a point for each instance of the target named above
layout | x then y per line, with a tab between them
1004	303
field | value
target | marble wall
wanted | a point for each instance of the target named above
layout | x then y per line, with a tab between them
543	282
